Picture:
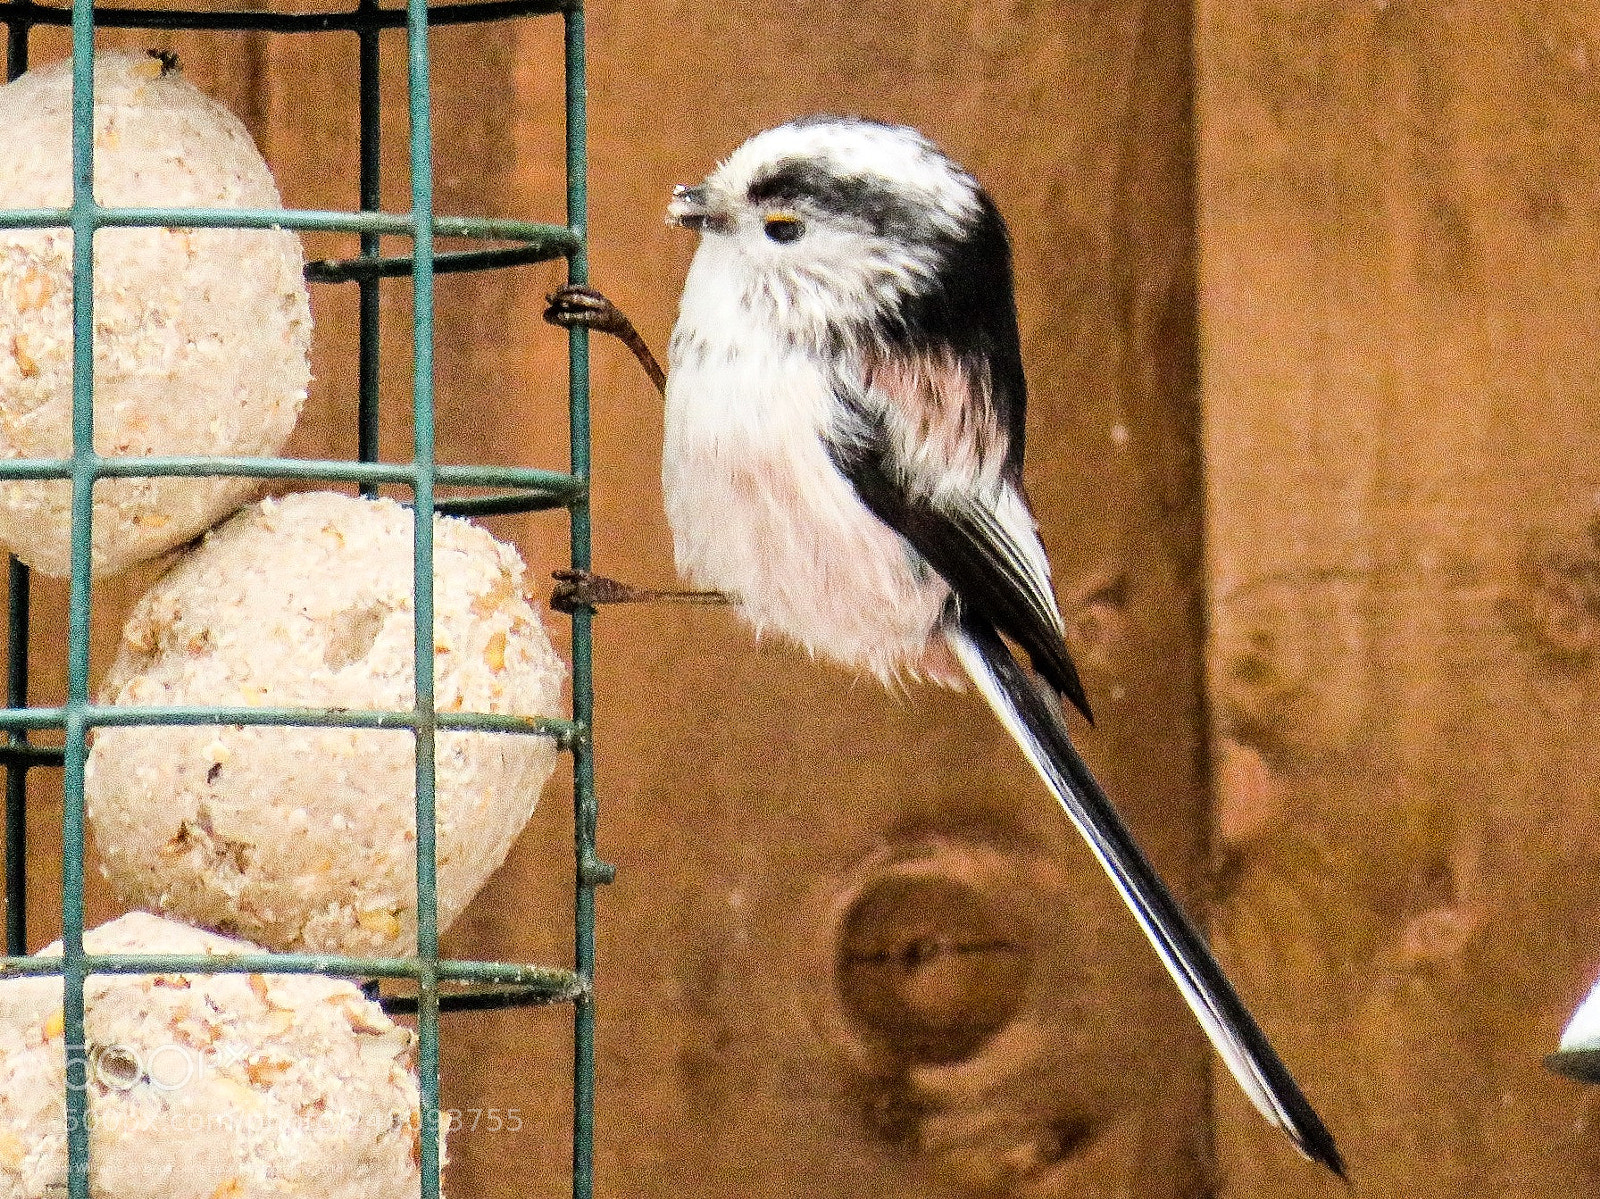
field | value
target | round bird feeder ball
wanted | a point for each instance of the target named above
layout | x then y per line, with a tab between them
304	839
207	1085
201	337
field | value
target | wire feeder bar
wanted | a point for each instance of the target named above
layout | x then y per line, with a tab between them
565	733
353	270
429	985
366	17
552	981
560	241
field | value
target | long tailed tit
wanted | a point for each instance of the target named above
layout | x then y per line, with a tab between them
843	460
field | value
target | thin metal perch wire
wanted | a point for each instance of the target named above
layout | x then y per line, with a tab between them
473	985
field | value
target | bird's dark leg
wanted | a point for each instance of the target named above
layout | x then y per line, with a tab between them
579	589
579	305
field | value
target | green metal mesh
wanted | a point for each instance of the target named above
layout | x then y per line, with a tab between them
466	984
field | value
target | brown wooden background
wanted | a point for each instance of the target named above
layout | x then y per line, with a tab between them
1309	303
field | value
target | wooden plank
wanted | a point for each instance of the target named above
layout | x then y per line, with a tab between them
1398	305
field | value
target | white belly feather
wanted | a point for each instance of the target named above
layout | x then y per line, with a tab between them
759	511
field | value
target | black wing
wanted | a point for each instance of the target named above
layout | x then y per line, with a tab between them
970	311
961	536
949	371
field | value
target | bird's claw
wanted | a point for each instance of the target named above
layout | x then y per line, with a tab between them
578	305
576	589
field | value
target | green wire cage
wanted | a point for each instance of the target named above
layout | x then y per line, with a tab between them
438	984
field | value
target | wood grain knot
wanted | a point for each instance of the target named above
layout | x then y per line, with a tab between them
1097	617
1563	586
926	969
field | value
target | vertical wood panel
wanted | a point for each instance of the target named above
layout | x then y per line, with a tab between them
746	790
1398	231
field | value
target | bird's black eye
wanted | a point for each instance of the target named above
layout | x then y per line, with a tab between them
784	227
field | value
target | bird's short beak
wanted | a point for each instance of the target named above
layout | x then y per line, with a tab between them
690	210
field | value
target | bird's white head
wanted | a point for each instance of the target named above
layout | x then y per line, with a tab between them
825	226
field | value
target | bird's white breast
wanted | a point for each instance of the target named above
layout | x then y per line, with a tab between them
756	505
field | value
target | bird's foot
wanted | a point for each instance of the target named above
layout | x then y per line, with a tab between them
580	589
576	305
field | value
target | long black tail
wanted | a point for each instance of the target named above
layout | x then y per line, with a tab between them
1032	714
